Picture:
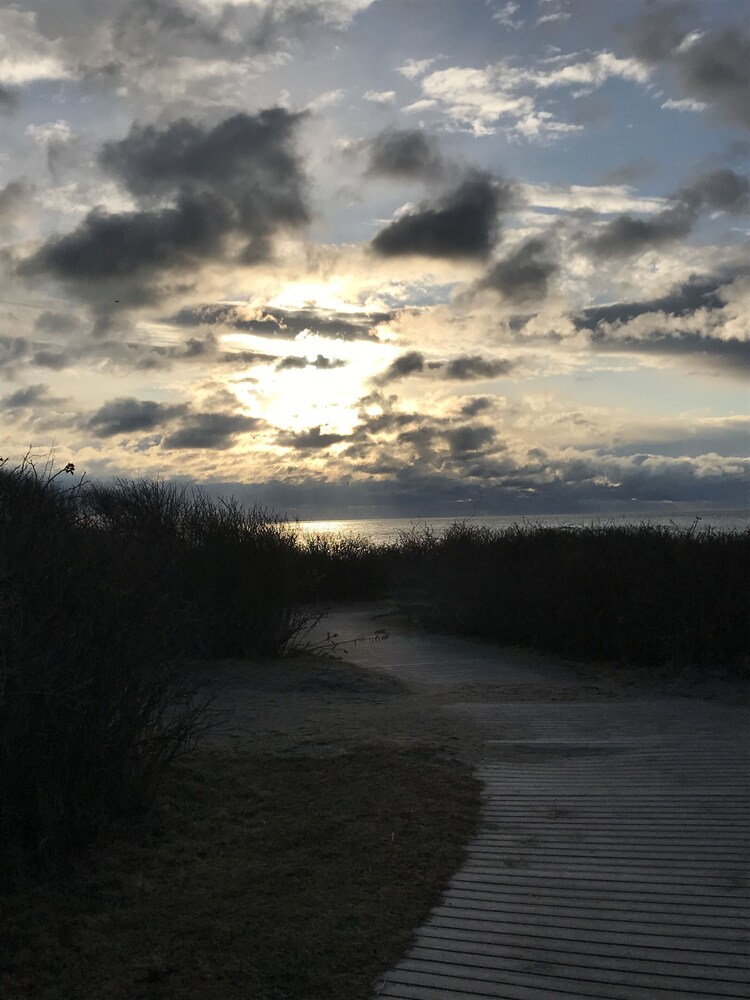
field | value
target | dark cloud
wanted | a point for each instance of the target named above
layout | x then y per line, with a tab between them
117	248
464	368
730	355
321	363
142	21
697	293
474	366
469	438
54	360
240	177
129	415
657	32
719	190
523	276
400	367
477	405
404	154
310	440
463	223
713	68
56	322
8	99
211	431
699	302
546	484
287	323
31	396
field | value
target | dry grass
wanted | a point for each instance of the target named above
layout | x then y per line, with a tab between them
292	878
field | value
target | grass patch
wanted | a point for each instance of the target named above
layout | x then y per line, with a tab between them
276	879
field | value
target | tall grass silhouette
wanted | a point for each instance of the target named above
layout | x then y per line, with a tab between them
105	594
108	591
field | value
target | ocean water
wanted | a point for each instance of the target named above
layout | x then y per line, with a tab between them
384	530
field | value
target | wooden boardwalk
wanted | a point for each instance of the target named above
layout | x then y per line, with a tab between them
612	859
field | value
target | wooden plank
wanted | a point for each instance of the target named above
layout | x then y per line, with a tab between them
589	934
483	966
553	947
604	921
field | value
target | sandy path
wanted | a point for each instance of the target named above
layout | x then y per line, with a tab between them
612	861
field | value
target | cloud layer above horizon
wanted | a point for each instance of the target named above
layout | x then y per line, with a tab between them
364	257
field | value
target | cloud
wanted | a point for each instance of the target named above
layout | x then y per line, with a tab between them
477	405
404	154
134	245
321	363
469	438
270	321
400	367
711	68
129	415
26	55
499	94
473	366
720	190
380	96
215	431
15	200
34	397
701	321
50	321
505	15
523	276
464	368
249	159
413	68
462	223
240	177
311	439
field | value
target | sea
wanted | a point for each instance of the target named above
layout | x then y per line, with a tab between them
385	530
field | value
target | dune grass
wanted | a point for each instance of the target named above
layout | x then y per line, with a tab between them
638	594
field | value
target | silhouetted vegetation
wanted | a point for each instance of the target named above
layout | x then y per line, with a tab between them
104	594
642	594
107	590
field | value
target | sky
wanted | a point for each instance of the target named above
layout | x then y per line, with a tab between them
368	258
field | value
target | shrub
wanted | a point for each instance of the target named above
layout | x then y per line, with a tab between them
93	704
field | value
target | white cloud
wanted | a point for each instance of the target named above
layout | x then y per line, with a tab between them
380	96
25	54
605	198
561	15
685	105
50	132
413	68
325	100
505	14
337	12
474	97
482	99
